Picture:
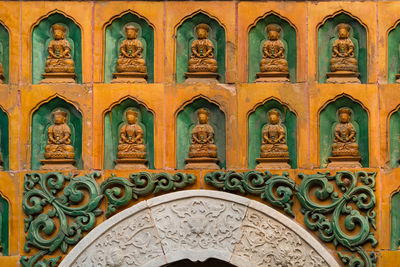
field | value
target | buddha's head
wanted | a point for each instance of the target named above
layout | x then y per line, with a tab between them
273	32
131	32
202	115
344	115
202	31
131	116
343	30
58	32
274	116
60	116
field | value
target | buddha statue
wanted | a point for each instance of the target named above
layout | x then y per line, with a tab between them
274	150
202	151
59	153
202	61
273	66
345	148
344	67
131	148
59	64
131	67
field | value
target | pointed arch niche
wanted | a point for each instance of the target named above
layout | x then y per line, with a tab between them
394	135
257	37
185	35
4	139
328	119
258	119
115	34
5	51
41	37
393	52
114	119
42	119
4	227
186	119
327	34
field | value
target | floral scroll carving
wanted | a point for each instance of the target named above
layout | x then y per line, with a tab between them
61	208
353	201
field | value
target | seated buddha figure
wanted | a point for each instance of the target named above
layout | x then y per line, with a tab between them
273	137
131	143
59	58
202	144
202	58
343	51
344	136
59	138
273	52
131	49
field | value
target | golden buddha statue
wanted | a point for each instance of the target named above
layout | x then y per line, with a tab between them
59	153
202	151
59	64
131	148
345	148
131	67
273	66
344	67
274	150
202	61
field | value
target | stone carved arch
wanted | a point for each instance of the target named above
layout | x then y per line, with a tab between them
197	225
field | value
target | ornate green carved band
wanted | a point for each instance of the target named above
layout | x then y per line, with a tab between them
324	200
58	213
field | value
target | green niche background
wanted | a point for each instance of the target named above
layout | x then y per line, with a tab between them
394	135
258	119
5	52
327	34
41	37
257	37
393	54
185	36
185	122
113	122
4	213
395	222
4	139
115	34
328	119
42	119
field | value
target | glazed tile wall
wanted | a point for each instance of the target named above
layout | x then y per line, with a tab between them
165	98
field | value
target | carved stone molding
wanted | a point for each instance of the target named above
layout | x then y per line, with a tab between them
196	225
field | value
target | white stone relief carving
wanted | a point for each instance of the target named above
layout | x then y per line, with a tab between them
266	242
132	242
200	224
197	225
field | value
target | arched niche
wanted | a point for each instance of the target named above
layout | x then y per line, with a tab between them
393	52
5	52
394	135
4	227
114	119
328	119
4	139
186	34
257	37
115	34
327	34
41	37
258	119
395	221
42	119
185	122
